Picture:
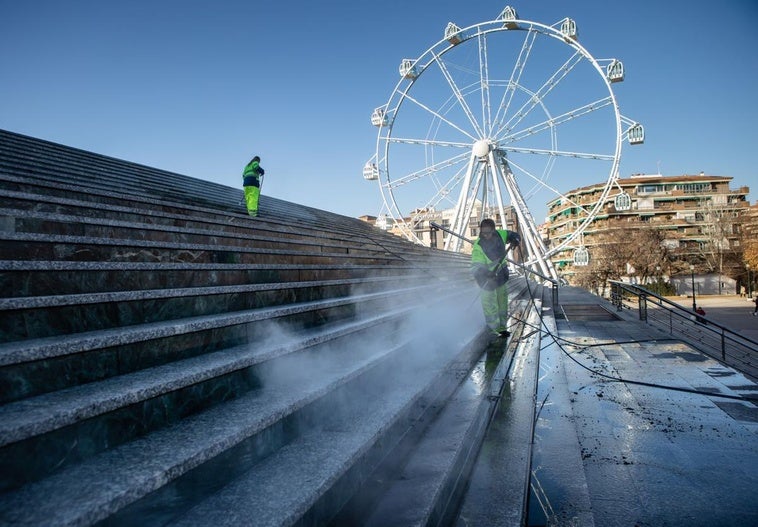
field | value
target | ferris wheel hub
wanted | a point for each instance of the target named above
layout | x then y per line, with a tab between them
482	148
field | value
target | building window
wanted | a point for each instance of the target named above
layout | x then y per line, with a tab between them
695	188
649	189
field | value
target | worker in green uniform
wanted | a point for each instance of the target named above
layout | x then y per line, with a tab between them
252	177
490	270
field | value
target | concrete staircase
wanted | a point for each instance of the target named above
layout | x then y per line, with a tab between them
165	359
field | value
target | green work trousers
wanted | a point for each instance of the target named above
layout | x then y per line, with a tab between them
251	199
495	308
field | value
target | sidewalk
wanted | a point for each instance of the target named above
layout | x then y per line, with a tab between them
731	311
635	428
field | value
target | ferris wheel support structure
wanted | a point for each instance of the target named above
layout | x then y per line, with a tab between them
534	246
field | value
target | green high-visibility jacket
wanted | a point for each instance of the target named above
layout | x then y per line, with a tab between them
252	173
486	258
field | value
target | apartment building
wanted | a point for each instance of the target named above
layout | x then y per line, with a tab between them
685	208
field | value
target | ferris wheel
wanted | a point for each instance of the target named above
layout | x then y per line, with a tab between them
504	112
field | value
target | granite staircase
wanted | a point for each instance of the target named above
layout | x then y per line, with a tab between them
167	360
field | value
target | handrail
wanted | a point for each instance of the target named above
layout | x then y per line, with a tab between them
710	337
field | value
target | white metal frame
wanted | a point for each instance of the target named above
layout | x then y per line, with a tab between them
482	169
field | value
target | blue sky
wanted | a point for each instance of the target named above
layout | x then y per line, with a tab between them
198	87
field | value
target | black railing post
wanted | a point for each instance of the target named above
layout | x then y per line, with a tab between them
643	306
616	296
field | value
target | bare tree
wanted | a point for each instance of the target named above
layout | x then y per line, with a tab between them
719	229
623	252
749	263
750	251
650	252
609	254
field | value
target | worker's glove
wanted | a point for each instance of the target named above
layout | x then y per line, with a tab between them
491	283
490	280
514	239
485	278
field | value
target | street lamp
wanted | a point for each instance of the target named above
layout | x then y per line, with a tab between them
692	271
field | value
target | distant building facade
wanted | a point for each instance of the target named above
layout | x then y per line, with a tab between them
682	207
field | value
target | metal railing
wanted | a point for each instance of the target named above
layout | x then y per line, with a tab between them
713	339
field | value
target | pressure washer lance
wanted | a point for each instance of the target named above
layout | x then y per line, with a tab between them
499	265
505	258
496	270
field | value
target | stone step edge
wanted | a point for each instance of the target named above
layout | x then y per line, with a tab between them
49	347
71	498
20	420
327	458
38	302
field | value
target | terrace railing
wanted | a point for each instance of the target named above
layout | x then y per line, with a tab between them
710	337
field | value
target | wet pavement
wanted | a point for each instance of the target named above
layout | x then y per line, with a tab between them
637	429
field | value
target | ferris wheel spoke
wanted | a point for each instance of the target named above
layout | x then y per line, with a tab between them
427	142
458	95
555	121
541	182
561	153
518	70
549	85
484	81
439	116
428	170
444	191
